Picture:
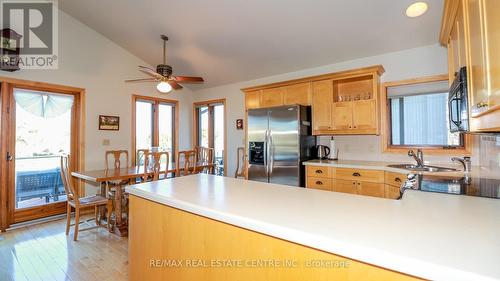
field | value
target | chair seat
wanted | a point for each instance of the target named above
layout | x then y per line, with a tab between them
92	200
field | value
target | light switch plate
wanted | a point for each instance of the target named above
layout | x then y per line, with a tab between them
105	142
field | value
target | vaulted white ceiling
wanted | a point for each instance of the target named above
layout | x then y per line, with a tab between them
228	41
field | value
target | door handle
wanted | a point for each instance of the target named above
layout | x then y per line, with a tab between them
271	153
9	156
319	183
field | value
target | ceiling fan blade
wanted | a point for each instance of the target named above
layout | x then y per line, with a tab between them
150	72
142	80
174	84
188	79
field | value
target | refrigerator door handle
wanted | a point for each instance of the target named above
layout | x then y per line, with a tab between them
271	153
266	150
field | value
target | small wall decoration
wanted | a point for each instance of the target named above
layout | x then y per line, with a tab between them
239	124
109	123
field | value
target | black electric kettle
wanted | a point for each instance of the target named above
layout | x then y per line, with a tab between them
322	151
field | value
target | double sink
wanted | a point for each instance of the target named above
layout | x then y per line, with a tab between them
424	168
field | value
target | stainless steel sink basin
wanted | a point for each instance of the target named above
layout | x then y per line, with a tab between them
425	168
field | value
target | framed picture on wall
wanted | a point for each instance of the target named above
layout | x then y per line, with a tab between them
239	124
109	123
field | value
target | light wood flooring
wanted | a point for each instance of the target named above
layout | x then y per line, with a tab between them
44	252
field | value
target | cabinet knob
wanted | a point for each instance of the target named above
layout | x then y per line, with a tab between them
356	175
319	172
350	127
359	183
355	127
319	182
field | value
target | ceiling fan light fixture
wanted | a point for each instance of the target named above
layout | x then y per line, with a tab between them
164	87
416	9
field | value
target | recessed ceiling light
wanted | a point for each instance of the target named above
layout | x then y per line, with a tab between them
416	9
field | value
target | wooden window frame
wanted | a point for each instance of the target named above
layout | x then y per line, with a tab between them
194	140
7	195
156	101
466	149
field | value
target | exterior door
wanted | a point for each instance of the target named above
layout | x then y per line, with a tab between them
284	145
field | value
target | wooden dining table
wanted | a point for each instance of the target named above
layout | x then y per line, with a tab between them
102	177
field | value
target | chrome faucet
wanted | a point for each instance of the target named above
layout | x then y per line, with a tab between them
419	157
465	161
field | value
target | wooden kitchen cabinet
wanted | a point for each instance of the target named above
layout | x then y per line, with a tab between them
252	99
319	183
471	31
364	115
272	97
322	102
298	94
391	192
371	189
342	116
345	186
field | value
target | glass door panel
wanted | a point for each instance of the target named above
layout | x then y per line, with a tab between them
165	128
219	138
43	133
203	129
144	125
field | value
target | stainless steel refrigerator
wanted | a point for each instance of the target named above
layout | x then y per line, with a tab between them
279	140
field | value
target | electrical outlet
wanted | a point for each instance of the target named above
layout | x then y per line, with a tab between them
106	142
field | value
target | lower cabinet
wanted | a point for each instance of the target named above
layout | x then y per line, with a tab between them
355	181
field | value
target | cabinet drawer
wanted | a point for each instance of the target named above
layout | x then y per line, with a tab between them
371	189
360	175
319	172
391	192
319	183
345	186
394	179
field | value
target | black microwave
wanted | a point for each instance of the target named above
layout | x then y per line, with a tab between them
458	107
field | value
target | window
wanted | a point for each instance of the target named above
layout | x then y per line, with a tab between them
210	130
154	125
416	115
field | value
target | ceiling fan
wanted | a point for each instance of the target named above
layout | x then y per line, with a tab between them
163	74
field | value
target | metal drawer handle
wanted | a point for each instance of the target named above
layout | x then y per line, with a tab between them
397	180
481	104
319	172
319	183
356	175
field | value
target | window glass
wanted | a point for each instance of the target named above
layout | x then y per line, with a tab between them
143	125
166	129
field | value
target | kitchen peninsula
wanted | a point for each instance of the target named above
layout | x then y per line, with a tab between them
204	227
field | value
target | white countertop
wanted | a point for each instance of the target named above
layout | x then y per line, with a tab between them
476	172
429	235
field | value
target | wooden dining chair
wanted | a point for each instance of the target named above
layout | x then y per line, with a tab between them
204	155
76	202
188	159
240	163
139	159
152	165
117	159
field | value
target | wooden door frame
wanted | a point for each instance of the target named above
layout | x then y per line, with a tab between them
155	101
77	148
194	138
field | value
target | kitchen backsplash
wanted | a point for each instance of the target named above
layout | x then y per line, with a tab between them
370	148
489	152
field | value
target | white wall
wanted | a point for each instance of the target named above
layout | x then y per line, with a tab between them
91	61
418	62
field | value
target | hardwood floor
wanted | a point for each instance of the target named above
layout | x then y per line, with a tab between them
44	252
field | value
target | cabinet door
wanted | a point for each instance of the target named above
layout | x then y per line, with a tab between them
371	189
322	101
252	99
477	57
364	115
391	192
298	94
394	179
345	186
271	97
342	115
492	24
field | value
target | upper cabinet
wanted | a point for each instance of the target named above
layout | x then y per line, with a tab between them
342	103
471	31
